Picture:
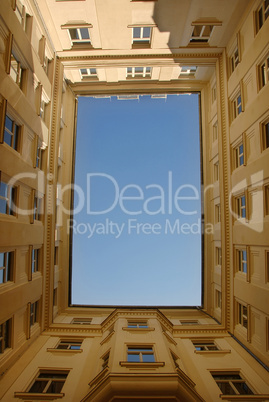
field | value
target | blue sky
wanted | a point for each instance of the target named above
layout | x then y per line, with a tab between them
136	240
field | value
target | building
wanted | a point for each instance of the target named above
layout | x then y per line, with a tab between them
52	51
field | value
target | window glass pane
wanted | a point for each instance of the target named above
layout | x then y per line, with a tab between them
7	138
84	33
1	275
55	387
8	123
133	358
136	32
2	255
146	32
207	30
148	358
38	387
93	70
139	69
197	30
75	347
226	388
242	388
73	33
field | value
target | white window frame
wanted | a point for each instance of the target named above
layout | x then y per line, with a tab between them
8	266
90	73
263	72
202	36
80	40
140	350
141	39
241	207
218	255
187	71
242	260
239	154
237	106
10	199
138	74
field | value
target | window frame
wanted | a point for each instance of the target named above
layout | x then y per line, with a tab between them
209	346
242	260
11	198
8	266
187	71
264	133
142	41
241	208
47	379
261	12
69	343
230	381
137	324
218	256
140	351
81	321
217	213
263	72
89	75
5	335
15	132
237	105
137	74
200	38
80	42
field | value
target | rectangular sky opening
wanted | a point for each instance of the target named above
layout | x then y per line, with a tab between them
137	202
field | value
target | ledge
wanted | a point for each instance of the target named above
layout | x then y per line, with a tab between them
138	329
245	397
142	365
210	352
39	397
55	350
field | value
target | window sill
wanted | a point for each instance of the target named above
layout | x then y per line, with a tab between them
262	397
142	365
141	45
217	352
54	350
39	397
138	329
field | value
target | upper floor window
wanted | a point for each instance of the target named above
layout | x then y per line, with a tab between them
34	310
16	71
39	153
234	60
88	73
138	72
242	260
22	15
218	299
241	206
201	33
79	36
5	335
262	14
231	383
8	195
137	324
217	213
214	93
35	260
6	266
236	106
264	72
12	133
48	382
242	315
81	321
265	135
215	131
239	155
187	71
204	345
69	345
137	354
141	35
218	256
216	171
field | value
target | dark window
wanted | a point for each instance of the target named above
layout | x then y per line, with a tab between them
232	384
6	266
48	382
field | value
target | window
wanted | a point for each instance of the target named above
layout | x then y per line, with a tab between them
136	354
218	299
55	297
231	384
234	60
243	315
239	155
241	206
6	266
216	171
105	359
217	213
16	71
137	324
263	71
141	35
262	14
236	106
22	15
138	72
201	33
187	71
39	154
201	346
35	260
79	36
34	313
265	135
69	345
214	93
12	133
37	208
189	322
242	261
81	321
48	382
218	256
5	335
88	73
215	131
44	101
266	199
8	195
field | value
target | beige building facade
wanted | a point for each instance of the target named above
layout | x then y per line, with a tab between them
52	52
